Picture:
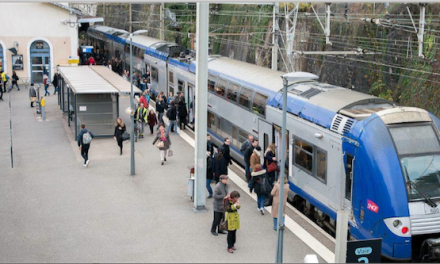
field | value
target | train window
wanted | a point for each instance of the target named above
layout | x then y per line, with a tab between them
245	97
211	121
217	124
154	74
321	158
348	176
259	104
141	53
211	85
226	128
171	77
424	140
220	88
181	85
232	92
242	137
235	136
303	155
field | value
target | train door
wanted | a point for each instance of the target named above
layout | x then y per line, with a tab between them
264	134
349	167
171	82
277	139
191	105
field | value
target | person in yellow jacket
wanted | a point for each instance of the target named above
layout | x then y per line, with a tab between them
232	218
4	80
141	116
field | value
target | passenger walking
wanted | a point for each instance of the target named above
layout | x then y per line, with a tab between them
84	140
143	100
120	129
46	84
141	117
152	121
276	201
247	158
260	185
221	189
270	162
4	79
226	151
246	144
164	142
160	109
183	113
15	80
255	158
209	174
1	92
172	117
220	166
32	94
232	219
56	78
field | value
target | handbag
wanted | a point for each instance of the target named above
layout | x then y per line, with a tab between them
271	167
125	136
170	153
223	225
33	99
268	201
160	144
265	186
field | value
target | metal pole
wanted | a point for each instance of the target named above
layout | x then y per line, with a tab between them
10	130
341	237
279	256
327	23
132	104
130	18
162	24
421	29
201	106
104	13
276	11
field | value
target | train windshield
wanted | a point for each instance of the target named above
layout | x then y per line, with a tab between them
422	177
418	147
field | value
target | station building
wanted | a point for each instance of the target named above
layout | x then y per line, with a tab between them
43	35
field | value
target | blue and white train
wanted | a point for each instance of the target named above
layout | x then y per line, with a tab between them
347	150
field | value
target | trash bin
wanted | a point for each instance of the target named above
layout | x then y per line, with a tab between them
191	181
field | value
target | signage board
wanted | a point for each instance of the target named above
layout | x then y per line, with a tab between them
364	251
83	108
73	60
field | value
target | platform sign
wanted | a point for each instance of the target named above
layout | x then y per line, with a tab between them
73	60
83	108
364	251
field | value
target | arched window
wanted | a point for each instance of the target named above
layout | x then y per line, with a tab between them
40	61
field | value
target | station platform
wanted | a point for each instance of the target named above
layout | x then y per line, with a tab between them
53	209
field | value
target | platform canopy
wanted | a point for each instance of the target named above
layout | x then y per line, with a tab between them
123	86
84	80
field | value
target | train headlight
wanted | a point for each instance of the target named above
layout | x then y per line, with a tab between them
397	223
399	226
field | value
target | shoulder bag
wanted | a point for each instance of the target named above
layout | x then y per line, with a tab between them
271	167
125	136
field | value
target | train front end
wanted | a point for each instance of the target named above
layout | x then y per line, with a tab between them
398	184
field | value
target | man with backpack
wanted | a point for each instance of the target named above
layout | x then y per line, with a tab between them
84	140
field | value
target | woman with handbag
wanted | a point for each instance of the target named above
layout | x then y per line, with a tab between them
270	163
163	142
233	219
120	129
260	184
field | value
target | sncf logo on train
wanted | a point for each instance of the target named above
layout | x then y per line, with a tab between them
372	206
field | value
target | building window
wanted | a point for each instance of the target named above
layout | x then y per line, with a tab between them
304	155
259	104
233	92
245	97
154	74
220	88
171	77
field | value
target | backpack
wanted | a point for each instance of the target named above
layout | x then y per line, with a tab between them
169	113
87	138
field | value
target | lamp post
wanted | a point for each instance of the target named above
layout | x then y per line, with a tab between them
292	77
132	98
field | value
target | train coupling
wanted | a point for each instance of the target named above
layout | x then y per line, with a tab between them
431	249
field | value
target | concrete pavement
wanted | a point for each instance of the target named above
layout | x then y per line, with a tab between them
52	209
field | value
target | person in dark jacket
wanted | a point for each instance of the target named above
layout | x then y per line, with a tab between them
32	94
119	131
226	151
84	146
172	116
269	158
15	80
209	174
152	121
56	77
160	109
219	166
256	185
220	191
183	113
247	158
